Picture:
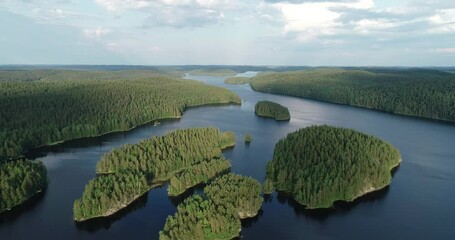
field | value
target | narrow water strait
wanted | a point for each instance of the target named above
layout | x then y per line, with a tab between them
417	205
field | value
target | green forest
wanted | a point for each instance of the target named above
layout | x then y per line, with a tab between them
272	110
321	164
415	92
20	180
237	80
216	214
185	157
108	193
213	72
40	107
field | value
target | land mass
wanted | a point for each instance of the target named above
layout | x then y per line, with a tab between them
42	107
272	110
213	72
319	165
19	181
414	92
186	157
237	80
217	213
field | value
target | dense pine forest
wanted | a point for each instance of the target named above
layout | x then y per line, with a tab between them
272	110
39	107
185	157
108	193
216	214
20	180
416	92
321	164
237	80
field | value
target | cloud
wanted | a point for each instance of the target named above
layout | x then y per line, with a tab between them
96	33
445	50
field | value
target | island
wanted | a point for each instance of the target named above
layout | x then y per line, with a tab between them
44	107
272	110
20	180
215	72
237	80
185	157
319	165
415	92
248	138
217	213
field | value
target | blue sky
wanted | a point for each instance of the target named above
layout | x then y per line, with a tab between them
237	32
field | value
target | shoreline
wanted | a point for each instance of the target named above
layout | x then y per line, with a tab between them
25	200
125	130
436	120
371	190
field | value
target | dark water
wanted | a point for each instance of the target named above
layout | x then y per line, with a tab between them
417	205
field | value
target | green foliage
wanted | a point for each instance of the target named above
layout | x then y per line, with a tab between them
272	110
242	193
227	140
216	214
20	180
161	156
46	106
320	164
237	80
200	218
186	157
214	72
416	92
106	194
268	187
248	137
200	173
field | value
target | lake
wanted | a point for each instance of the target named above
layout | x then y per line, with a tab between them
417	205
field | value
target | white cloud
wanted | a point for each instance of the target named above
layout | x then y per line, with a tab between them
445	50
96	33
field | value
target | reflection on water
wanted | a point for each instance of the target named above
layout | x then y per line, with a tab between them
10	216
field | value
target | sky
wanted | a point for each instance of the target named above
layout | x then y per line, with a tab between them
228	32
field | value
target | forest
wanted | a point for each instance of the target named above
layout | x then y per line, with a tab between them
415	92
185	157
272	110
20	180
215	214
41	107
213	72
318	165
237	80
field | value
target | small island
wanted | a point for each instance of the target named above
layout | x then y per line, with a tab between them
19	181
272	110
319	165
217	213
185	157
237	80
248	138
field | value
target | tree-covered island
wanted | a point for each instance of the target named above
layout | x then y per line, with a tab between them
216	214
272	110
319	165
185	157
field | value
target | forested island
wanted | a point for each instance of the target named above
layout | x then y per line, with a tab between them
237	80
414	92
41	107
216	214
19	181
272	110
213	72
185	157
319	165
